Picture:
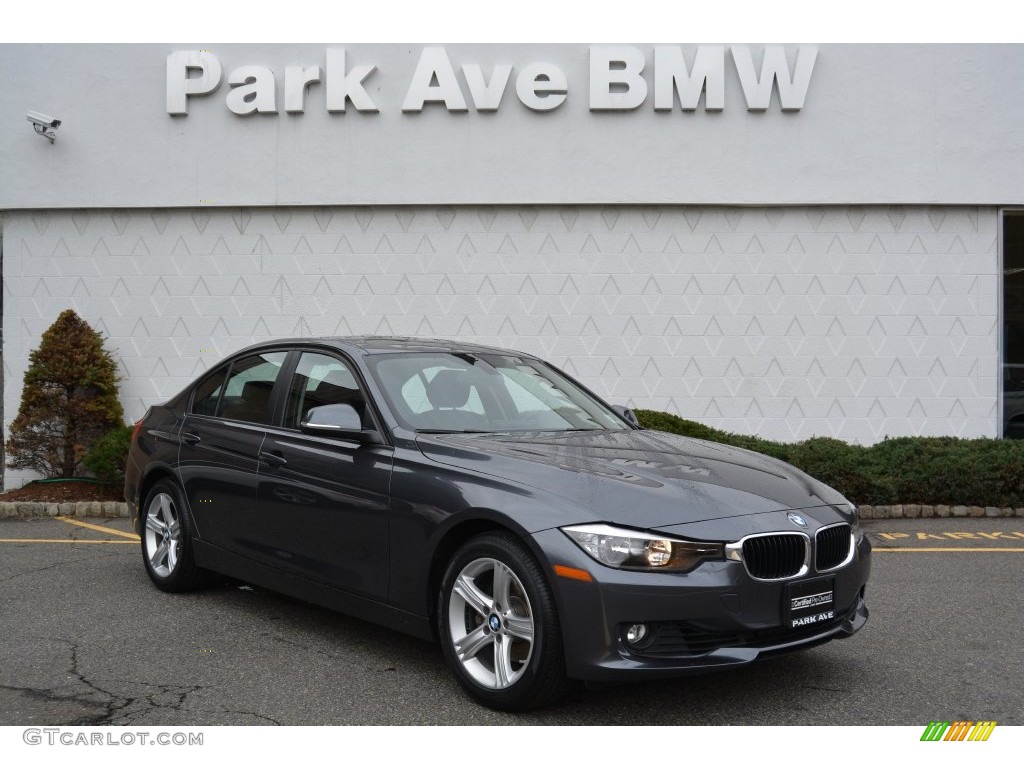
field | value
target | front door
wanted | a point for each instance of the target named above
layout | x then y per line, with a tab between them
322	502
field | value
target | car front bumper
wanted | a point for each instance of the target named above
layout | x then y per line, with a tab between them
716	616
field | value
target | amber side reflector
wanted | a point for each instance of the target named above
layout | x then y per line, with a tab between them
572	573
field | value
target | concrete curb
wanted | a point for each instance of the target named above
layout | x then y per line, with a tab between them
913	511
28	509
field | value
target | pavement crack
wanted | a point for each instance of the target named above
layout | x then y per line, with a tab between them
165	696
115	702
309	648
268	718
34	570
58	564
95	695
55	695
116	708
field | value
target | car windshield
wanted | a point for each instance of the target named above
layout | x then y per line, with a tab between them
471	392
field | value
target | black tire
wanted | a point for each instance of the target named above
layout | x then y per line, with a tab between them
172	569
501	668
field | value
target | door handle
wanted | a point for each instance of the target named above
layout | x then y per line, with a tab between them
191	438
275	460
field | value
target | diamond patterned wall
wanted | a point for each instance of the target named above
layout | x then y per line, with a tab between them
855	322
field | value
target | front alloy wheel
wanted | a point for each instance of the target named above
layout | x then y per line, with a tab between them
491	623
498	625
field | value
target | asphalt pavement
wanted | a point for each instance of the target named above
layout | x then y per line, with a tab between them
87	640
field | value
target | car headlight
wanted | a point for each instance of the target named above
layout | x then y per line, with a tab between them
636	550
854	520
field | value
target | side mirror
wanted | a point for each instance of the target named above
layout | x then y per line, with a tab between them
627	414
341	420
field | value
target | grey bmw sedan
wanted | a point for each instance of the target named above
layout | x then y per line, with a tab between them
484	499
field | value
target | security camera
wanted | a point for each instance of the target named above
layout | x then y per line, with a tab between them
44	125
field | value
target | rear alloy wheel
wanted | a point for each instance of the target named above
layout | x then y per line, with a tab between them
499	627
167	541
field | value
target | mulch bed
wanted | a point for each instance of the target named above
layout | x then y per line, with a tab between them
54	493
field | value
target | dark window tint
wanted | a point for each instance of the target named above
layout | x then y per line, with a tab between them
208	393
323	380
1013	324
249	385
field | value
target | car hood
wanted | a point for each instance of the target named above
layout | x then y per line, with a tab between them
640	478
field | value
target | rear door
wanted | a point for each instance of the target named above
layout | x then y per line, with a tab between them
220	443
322	502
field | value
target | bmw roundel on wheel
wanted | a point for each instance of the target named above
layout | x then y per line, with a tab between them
482	498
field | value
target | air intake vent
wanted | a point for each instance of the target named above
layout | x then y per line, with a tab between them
832	547
776	556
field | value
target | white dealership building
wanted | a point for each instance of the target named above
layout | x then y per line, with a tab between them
785	240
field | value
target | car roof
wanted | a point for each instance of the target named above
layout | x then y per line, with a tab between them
388	344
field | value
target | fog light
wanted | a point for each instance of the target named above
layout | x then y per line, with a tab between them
636	633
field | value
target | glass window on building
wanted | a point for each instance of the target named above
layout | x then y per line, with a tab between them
1013	324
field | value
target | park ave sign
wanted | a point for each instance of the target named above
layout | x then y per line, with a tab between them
617	81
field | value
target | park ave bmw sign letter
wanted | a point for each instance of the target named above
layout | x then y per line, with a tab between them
617	81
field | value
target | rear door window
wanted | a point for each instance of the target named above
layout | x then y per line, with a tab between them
207	393
247	389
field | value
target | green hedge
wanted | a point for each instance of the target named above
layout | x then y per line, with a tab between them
109	455
902	470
